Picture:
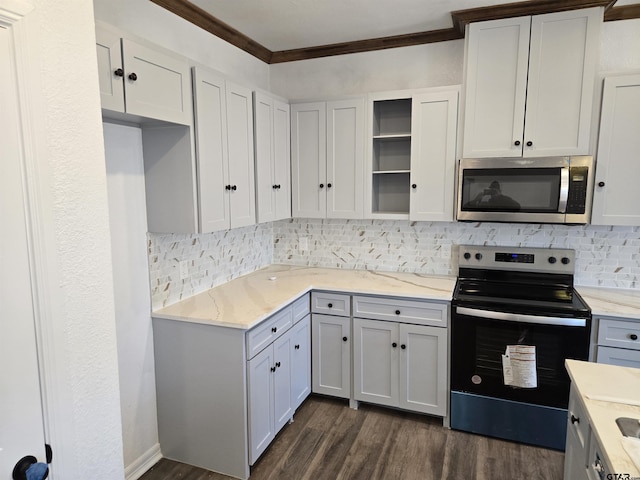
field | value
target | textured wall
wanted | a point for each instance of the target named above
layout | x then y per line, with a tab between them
605	256
213	258
82	368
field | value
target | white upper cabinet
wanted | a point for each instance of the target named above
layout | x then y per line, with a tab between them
529	85
142	81
224	151
273	158
434	127
616	199
411	154
327	159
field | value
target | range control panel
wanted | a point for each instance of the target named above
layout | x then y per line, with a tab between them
548	260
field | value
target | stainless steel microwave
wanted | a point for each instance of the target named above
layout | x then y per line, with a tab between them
532	190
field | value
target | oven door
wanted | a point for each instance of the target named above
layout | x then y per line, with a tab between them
479	340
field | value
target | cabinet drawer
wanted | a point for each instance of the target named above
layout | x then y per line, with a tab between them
331	303
619	356
577	418
407	311
264	334
618	333
300	308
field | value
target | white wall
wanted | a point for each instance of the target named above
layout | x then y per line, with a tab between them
430	65
152	22
620	46
128	220
79	347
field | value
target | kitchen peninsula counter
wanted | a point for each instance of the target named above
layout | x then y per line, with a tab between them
247	300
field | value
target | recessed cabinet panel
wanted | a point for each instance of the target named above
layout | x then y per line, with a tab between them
156	85
308	160
496	81
261	406
300	362
211	148
616	198
109	63
282	159
331	355
265	182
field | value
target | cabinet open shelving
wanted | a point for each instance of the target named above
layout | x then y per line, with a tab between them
391	156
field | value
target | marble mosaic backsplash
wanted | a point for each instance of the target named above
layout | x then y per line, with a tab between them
213	259
605	256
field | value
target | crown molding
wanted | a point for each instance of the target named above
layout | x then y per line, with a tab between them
460	18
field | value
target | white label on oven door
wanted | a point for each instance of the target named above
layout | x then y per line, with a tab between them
519	366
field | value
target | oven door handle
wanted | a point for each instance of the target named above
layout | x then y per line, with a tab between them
522	318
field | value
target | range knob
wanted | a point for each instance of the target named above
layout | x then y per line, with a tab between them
552	260
478	256
467	255
565	260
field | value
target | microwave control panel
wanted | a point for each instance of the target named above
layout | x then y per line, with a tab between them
577	189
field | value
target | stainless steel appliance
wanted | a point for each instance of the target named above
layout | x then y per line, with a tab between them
515	319
534	190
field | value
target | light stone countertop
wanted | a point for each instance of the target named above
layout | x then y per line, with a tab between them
247	300
612	302
596	379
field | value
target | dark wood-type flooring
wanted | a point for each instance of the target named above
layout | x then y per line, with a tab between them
330	441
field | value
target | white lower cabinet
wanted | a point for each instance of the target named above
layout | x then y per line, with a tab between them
331	351
278	382
619	342
575	454
400	365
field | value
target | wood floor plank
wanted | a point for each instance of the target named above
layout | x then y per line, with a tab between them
329	441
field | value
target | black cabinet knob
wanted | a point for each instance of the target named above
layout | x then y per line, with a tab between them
273	369
397	312
574	419
403	346
274	187
296	347
601	184
133	77
328	185
529	143
633	336
234	187
277	364
330	305
278	186
322	185
274	329
227	187
414	186
119	73
344	339
517	143
394	344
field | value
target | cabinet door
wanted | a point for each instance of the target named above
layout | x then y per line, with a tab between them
157	85
261	409
300	361
266	184
619	356
331	355
434	126
345	157
423	369
308	160
575	466
375	361
282	395
109	61
211	150
497	56
562	67
282	159
241	163
616	199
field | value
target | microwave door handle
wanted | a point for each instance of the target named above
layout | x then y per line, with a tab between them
564	189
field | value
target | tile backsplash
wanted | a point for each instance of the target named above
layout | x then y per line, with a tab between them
605	256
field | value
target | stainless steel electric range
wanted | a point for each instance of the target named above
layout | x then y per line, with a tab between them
515	318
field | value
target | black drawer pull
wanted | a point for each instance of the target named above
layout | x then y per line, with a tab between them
297	347
277	364
344	339
633	336
274	329
403	346
394	344
574	419
397	312
273	369
330	305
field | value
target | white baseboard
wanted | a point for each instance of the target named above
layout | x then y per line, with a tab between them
144	462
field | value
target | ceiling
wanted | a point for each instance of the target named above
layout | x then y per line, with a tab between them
270	28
